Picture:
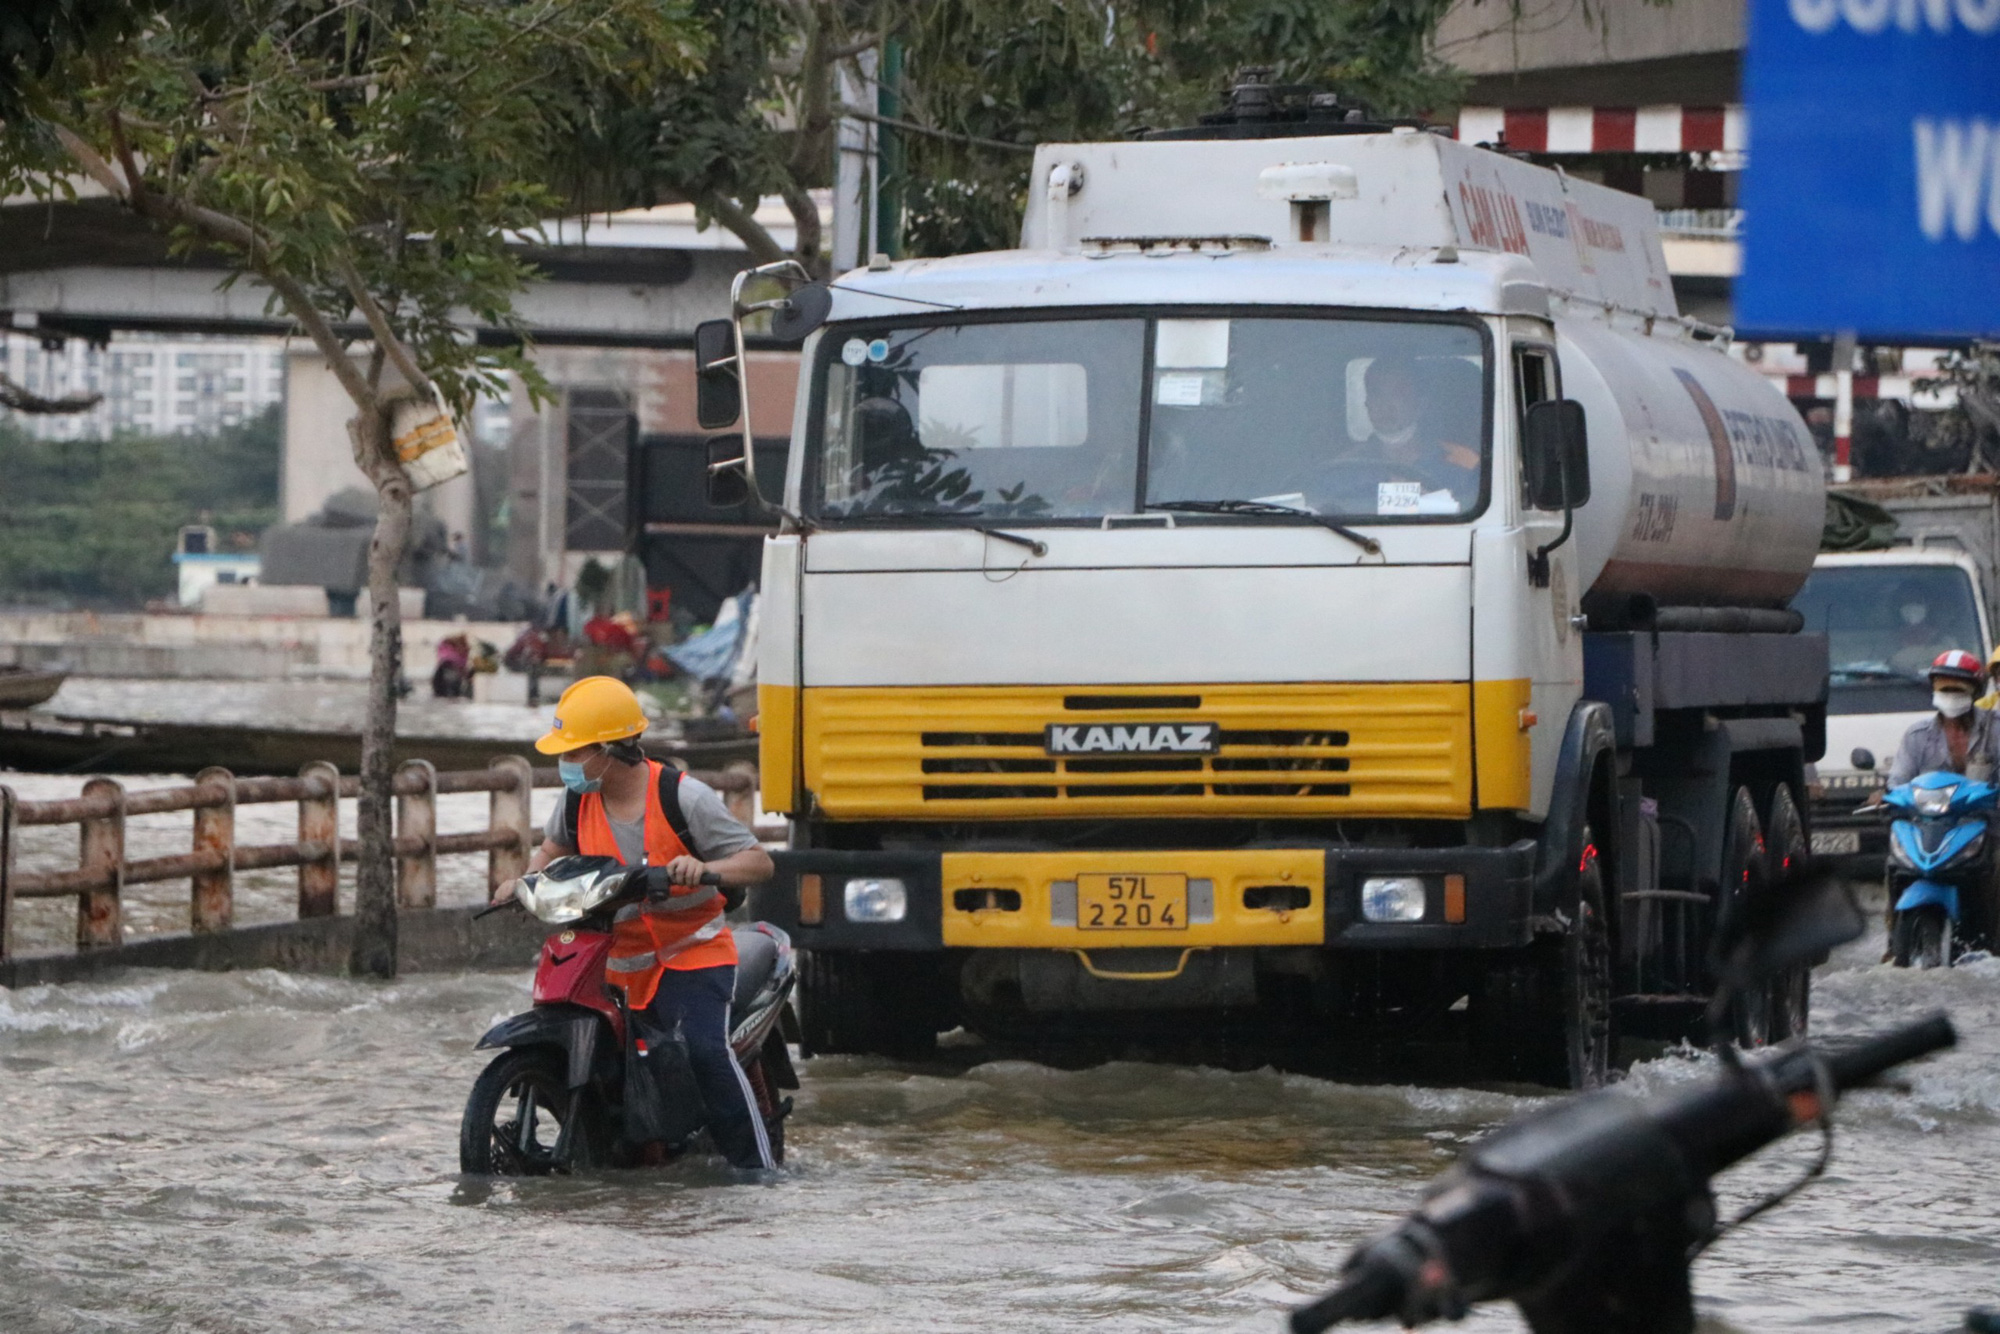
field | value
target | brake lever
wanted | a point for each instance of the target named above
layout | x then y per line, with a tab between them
492	908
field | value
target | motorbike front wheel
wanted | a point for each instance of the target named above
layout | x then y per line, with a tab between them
1922	938
516	1119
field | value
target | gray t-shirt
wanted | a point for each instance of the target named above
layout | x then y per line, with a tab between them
1925	749
716	832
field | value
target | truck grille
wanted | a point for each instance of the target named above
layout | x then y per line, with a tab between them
1282	749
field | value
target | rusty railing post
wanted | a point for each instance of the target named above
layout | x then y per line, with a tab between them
100	923
511	808
212	902
8	804
319	822
416	817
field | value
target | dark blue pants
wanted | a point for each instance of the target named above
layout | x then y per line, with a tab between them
698	1000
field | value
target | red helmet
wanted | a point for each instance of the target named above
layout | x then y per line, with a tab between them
1955	664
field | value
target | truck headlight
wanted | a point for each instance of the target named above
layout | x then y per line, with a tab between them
1392	898
882	900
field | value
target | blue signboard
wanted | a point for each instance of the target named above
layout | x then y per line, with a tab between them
1872	194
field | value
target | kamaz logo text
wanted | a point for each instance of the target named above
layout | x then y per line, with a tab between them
1132	739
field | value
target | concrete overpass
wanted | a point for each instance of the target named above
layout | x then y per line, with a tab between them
612	317
88	268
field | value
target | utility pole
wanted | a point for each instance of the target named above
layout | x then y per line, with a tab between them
855	166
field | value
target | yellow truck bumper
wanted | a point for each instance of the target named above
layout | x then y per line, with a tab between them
1045	900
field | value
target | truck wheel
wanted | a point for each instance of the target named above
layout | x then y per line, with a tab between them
1546	1019
1787	849
856	1005
1744	857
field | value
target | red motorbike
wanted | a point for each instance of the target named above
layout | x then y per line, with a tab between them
553	1100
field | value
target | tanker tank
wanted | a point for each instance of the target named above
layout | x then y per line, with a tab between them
1706	488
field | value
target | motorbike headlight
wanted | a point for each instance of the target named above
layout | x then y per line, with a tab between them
1393	898
876	900
1899	854
558	900
1934	800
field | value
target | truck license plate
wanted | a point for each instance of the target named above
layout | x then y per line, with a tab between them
1835	842
1131	902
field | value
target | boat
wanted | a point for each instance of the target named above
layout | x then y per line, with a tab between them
21	688
48	743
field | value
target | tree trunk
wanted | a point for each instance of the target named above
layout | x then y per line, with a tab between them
375	879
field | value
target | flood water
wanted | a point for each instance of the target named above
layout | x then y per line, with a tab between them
234	1154
185	1153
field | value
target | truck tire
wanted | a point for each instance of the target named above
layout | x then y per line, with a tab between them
1786	851
856	1005
1744	877
1545	1018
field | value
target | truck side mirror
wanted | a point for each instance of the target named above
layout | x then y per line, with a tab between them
718	391
800	312
1555	452
728	488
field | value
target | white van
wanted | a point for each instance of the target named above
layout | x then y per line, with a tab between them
1886	616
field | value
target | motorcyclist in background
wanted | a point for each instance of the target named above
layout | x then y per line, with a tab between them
1956	737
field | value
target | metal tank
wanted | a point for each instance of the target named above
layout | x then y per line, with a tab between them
1706	488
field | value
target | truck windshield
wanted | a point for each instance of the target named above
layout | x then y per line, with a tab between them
1351	419
1885	624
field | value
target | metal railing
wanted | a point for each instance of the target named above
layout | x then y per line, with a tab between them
103	870
1710	224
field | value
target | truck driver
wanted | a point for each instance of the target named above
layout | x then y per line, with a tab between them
1405	447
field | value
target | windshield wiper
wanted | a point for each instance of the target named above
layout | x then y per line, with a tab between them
1362	540
1034	545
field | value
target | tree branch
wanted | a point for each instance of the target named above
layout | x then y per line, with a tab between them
234	232
805	220
815	103
378	323
764	249
20	399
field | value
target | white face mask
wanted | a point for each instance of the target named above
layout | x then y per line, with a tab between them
1951	703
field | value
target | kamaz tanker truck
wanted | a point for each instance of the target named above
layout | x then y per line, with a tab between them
1318	581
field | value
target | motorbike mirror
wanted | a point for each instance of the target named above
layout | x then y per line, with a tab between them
1795	922
1862	758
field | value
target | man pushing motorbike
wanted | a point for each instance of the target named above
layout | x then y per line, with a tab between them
674	958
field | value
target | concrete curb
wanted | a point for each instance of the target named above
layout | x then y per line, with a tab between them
436	940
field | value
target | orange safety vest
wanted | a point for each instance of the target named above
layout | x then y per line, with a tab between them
647	938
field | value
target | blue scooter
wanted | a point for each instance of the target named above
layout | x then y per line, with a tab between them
1938	859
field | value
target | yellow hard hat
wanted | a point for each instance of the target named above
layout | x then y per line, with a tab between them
597	708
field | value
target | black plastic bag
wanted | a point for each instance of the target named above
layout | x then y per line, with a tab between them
662	1100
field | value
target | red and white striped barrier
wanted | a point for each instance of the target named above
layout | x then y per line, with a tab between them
1666	128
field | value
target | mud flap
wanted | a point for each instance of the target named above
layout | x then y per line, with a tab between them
778	1060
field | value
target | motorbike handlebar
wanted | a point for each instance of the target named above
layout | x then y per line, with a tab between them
659	887
1524	1203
